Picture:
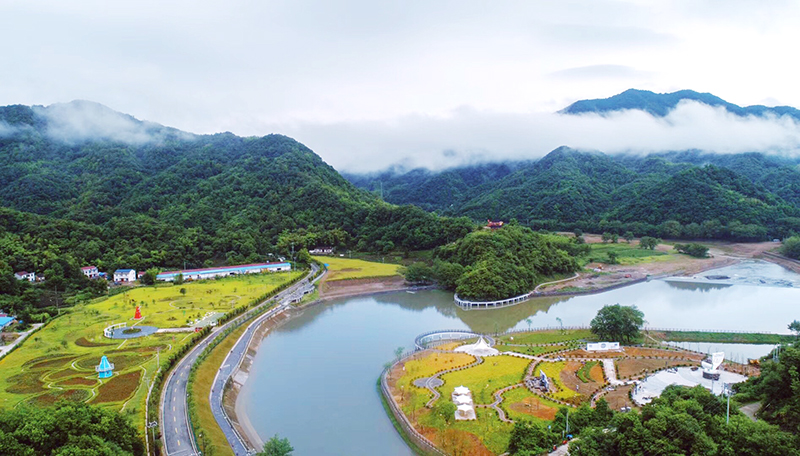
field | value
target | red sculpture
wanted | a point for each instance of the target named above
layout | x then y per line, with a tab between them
138	314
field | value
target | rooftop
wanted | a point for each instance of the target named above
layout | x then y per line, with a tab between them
222	268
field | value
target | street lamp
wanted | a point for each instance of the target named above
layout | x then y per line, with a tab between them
153	425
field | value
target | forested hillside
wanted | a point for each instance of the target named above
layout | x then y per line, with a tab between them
690	195
82	184
660	104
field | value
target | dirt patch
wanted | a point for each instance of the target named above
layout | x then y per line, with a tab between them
341	288
49	364
84	342
118	388
533	406
619	397
62	374
627	368
120	361
51	397
78	381
570	379
596	373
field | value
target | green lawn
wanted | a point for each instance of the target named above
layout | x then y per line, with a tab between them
626	254
723	337
483	380
346	268
546	337
68	348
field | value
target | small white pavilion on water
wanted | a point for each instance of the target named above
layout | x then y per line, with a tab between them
479	348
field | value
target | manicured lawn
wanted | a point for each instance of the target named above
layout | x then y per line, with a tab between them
722	337
546	337
70	346
495	373
201	388
346	268
553	372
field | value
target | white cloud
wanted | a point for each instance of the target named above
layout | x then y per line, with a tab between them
470	136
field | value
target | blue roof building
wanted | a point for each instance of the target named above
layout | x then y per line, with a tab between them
105	369
5	321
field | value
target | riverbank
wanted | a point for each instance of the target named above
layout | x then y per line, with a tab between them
600	276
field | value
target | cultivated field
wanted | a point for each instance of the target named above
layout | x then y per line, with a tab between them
58	361
346	268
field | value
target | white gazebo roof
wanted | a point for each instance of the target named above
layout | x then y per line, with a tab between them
461	390
464	408
462	400
479	348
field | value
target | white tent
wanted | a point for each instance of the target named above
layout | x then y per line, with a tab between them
461	390
464	409
460	400
479	348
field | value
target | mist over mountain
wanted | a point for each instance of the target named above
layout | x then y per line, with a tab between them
661	104
85	184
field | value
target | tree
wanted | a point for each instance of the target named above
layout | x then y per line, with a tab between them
606	237
612	258
649	242
795	327
791	247
183	291
276	446
418	273
695	250
617	323
628	236
614	238
149	276
530	438
178	279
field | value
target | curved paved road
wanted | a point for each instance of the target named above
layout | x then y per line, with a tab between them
176	429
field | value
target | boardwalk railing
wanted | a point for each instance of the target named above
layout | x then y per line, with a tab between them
410	432
472	305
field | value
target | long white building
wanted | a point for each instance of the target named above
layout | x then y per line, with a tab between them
224	271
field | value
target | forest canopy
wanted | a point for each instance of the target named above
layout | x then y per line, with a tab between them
502	263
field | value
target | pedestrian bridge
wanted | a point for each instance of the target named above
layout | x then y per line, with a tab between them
423	341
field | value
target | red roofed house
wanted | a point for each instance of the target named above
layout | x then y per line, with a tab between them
494	225
90	272
23	275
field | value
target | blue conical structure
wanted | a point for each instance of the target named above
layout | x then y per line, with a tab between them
105	369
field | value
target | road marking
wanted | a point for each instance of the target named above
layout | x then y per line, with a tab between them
179	442
173	408
176	430
174	419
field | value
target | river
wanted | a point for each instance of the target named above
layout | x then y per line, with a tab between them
313	379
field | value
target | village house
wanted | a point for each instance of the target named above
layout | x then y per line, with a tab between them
125	275
23	275
90	272
321	251
223	271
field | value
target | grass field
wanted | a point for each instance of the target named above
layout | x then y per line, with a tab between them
626	254
215	440
546	337
68	348
484	379
722	337
346	268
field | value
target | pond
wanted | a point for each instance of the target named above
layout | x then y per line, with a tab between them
314	380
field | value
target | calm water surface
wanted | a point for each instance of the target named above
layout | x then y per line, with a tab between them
314	379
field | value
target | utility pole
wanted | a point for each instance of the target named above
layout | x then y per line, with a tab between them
728	412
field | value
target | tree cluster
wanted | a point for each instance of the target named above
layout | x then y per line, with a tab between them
497	264
617	323
68	428
694	249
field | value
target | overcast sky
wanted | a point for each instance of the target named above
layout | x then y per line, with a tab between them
367	84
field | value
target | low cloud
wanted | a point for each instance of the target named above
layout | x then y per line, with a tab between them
6	129
80	121
469	136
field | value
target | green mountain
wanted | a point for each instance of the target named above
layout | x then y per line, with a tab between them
747	196
660	104
82	184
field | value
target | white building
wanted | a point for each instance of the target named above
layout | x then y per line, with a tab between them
125	275
602	346
322	251
90	272
224	271
23	275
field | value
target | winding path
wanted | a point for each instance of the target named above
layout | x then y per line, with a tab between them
436	393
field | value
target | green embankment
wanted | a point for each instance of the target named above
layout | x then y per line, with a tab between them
724	337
